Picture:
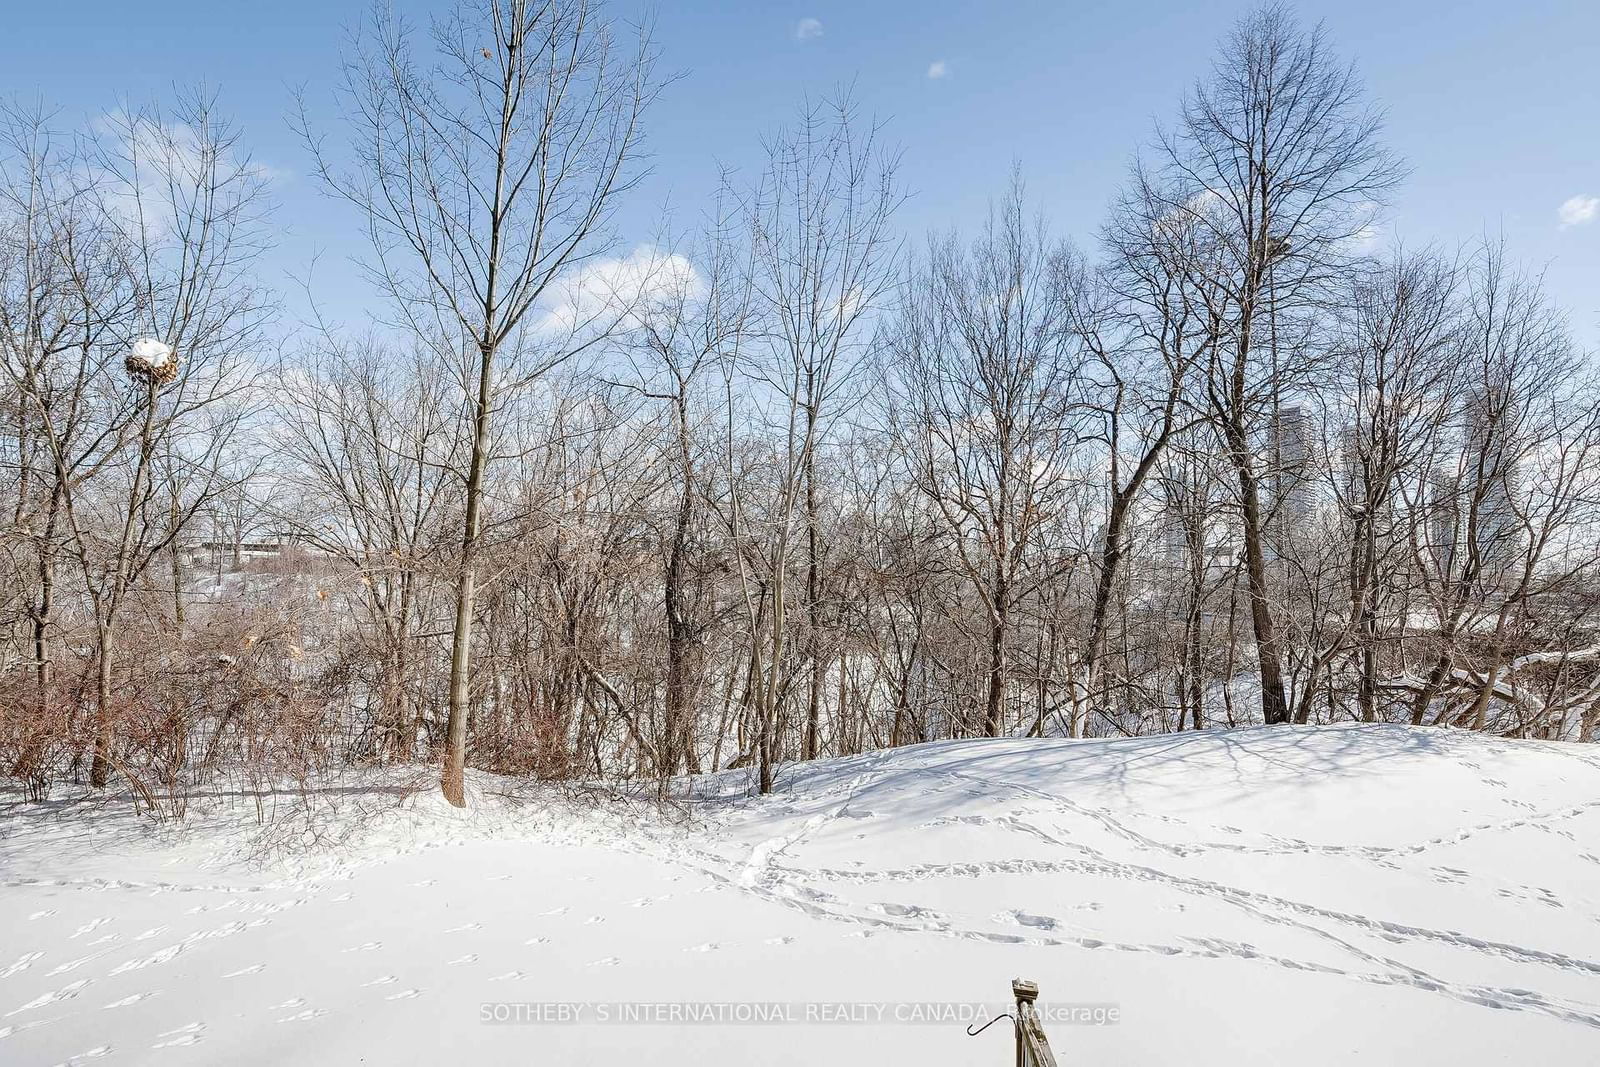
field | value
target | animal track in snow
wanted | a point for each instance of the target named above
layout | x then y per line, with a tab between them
72	965
309	1013
292	1002
254	968
591	920
22	963
464	928
382	979
537	941
608	961
134	999
41	914
404	994
188	1034
471	957
66	992
365	946
92	924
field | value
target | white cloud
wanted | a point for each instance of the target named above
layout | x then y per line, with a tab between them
619	288
1579	210
937	69
808	29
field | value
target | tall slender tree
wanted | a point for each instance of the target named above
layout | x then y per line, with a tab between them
484	173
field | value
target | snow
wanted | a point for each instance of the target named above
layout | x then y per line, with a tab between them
152	357
1371	894
152	353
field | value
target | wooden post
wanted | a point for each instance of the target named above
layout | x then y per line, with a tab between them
1032	1048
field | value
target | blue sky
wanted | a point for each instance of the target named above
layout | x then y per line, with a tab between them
1496	105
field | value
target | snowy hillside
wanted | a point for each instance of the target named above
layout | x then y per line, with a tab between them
1332	896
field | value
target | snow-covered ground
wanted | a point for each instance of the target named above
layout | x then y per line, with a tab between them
1332	896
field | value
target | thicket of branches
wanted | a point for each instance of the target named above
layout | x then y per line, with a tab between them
788	486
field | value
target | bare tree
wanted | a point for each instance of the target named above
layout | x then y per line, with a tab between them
989	383
1278	166
821	263
695	314
483	176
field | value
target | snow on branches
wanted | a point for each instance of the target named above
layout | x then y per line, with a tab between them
152	360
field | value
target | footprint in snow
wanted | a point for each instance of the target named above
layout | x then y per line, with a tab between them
66	992
366	946
341	898
556	911
309	1013
382	979
254	968
72	965
470	957
17	1028
23	962
464	928
154	931
778	941
537	941
92	924
188	1034
709	946
292	1002
134	999
591	920
609	961
41	914
511	976
425	883
404	994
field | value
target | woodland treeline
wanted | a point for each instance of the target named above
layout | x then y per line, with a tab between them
785	485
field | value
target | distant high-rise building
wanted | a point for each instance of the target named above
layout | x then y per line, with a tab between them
1473	501
1292	457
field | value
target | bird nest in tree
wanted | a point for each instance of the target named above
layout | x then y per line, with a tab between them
152	361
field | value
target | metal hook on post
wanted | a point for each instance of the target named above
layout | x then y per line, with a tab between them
1003	1015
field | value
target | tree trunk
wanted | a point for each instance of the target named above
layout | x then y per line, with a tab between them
453	780
999	624
1274	705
